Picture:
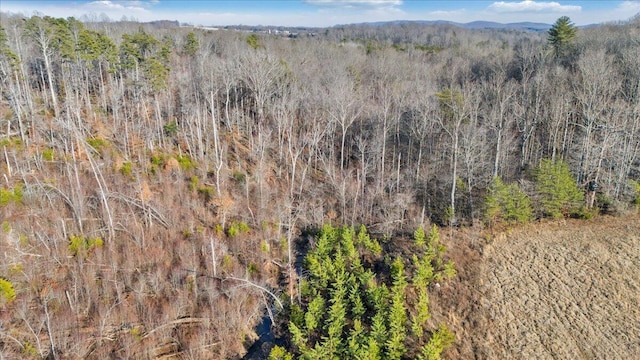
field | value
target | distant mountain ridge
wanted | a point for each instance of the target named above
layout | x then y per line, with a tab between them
479	24
518	25
527	26
474	25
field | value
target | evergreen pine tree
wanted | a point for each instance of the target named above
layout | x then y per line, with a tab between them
561	36
191	45
560	194
440	340
397	312
507	203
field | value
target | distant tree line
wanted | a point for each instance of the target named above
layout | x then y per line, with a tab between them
375	130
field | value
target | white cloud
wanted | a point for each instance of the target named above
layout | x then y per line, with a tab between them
446	14
532	6
350	3
105	4
629	7
135	5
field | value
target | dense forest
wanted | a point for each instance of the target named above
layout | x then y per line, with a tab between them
162	186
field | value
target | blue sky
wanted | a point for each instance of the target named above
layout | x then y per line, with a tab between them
330	12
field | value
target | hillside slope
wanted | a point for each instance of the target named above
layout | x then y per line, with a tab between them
565	290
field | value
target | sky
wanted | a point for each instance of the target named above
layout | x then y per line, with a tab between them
320	13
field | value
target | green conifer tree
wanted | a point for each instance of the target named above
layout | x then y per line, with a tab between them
440	340
397	312
420	237
191	44
558	189
561	36
507	203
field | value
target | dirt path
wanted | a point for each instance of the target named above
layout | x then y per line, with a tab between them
566	290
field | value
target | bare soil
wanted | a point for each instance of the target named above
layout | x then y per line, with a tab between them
551	290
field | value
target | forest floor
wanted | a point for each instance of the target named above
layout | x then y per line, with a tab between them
549	290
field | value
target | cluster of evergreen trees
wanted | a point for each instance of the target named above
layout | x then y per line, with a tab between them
556	192
359	303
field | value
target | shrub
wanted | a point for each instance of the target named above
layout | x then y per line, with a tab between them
237	228
48	154
16	269
97	143
507	203
81	246
76	244
193	183
6	227
207	192
158	160
243	227
126	168
560	194
29	350
170	128
136	332
239	176
227	263
7	292
585	213
11	195
252	268
264	246
186	163
187	233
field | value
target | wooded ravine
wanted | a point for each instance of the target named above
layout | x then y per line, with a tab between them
164	188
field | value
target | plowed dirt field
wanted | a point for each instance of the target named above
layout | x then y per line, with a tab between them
559	290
